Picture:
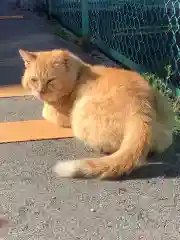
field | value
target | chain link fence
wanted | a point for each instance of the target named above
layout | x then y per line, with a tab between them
141	34
39	6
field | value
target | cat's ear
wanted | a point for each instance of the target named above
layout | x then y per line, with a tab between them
28	57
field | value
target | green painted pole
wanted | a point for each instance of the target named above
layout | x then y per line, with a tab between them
85	17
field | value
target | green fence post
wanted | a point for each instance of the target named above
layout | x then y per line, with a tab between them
85	17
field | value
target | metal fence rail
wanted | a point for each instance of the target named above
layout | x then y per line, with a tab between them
141	34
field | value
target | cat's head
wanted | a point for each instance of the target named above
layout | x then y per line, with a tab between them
50	75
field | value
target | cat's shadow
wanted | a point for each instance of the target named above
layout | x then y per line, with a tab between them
165	165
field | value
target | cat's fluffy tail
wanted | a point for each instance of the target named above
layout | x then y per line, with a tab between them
133	150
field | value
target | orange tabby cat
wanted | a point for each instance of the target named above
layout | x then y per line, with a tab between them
111	109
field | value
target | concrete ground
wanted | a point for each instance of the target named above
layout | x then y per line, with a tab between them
39	205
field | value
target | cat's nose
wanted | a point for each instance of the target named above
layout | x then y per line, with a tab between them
38	94
41	94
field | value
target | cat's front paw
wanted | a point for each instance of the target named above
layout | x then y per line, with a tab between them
60	120
47	116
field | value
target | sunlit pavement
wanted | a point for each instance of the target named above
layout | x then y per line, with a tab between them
40	205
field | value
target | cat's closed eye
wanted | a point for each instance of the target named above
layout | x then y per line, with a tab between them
50	80
33	79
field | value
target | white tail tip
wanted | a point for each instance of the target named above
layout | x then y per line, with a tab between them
66	169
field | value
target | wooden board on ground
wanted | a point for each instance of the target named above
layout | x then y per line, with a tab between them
11	17
13	91
31	130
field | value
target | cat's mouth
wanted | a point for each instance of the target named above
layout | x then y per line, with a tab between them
45	97
38	95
